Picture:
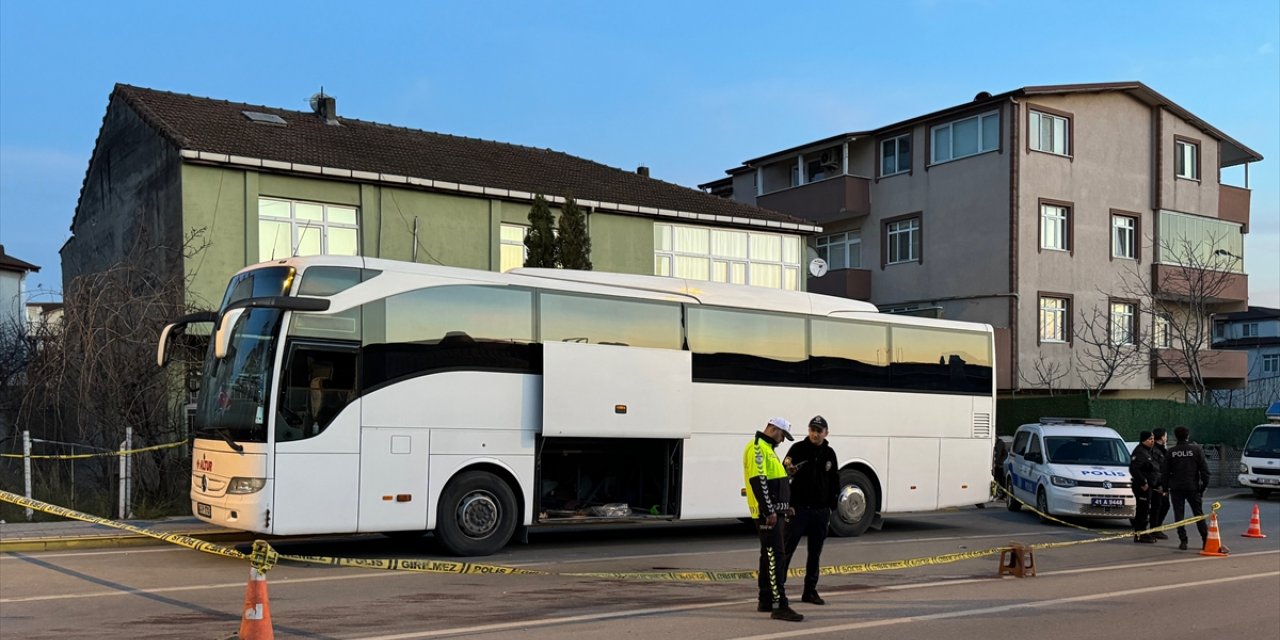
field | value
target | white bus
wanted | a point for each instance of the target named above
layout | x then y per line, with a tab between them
348	394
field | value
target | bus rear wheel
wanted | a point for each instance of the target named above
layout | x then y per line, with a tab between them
477	514
855	506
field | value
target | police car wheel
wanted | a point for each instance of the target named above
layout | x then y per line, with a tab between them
855	506
1042	505
1013	503
477	514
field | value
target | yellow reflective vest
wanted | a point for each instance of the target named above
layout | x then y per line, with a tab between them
768	490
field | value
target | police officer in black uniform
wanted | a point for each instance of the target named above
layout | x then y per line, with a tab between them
815	484
1160	494
1143	471
1188	478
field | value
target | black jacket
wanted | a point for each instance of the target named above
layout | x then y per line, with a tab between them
1160	458
816	481
1188	468
1142	467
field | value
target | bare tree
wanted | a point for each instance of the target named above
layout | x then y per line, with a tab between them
1106	350
1044	375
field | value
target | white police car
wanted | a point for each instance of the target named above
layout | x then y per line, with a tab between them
1070	467
1260	461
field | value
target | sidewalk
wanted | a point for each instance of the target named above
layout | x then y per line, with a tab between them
74	534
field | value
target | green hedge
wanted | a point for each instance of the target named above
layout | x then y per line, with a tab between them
1209	425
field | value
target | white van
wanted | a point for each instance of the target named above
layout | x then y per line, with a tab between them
1070	467
1260	462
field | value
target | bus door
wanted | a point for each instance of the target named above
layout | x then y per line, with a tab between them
317	440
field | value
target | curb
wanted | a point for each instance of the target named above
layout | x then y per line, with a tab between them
55	543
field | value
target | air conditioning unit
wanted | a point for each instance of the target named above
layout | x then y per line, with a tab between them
830	158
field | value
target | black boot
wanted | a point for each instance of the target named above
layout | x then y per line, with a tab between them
812	597
786	613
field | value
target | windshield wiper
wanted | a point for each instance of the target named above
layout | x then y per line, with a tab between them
226	437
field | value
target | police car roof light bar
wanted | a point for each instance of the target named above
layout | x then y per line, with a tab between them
1097	422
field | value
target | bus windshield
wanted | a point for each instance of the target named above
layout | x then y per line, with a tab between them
1087	450
233	396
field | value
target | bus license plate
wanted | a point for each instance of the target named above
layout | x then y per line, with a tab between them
204	510
1107	502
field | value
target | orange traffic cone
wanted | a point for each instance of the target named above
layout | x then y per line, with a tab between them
256	622
1255	526
1213	545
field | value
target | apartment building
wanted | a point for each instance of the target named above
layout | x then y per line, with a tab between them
1074	218
1256	332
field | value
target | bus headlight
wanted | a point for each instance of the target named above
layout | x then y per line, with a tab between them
246	485
1244	468
1059	481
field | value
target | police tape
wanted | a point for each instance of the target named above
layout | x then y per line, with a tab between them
997	489
1108	534
100	454
263	556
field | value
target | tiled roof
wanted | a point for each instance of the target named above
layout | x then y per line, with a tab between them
220	127
10	263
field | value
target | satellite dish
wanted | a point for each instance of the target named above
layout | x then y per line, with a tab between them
817	267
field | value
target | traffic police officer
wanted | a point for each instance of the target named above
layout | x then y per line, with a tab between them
769	497
1188	478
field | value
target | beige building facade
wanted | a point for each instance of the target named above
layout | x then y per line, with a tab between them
1066	216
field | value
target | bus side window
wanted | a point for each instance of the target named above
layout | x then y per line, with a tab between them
319	382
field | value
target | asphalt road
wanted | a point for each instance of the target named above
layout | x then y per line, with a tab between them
1106	590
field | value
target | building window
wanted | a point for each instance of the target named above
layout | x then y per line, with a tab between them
1186	159
1053	319
1123	237
1050	133
1161	334
1249	330
1200	241
902	241
1055	227
841	250
1270	364
895	155
727	255
288	228
511	250
1123	318
966	137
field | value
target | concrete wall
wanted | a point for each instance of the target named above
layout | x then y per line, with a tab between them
1199	197
131	201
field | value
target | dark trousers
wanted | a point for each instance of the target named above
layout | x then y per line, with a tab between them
773	563
813	524
1159	508
1143	516
1193	498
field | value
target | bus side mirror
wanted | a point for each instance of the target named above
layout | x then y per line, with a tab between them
222	339
162	348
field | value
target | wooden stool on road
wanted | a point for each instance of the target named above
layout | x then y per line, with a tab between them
1018	560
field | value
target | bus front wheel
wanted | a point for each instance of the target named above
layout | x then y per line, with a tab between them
855	506
477	514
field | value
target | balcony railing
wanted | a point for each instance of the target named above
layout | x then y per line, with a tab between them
823	201
1233	205
1220	369
1225	291
844	283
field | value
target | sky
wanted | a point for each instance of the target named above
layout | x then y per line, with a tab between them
688	89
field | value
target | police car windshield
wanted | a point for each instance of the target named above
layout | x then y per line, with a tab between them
1264	443
1109	452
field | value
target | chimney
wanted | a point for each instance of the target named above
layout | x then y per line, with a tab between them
643	170
326	107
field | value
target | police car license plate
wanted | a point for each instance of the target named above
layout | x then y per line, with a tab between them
204	509
1269	480
1107	502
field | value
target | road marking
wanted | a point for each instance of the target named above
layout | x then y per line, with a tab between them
205	587
1002	608
7	557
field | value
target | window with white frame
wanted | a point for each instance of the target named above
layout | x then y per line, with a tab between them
1186	159
895	155
841	250
727	255
1054	227
965	137
1050	133
511	250
903	241
1053	319
288	228
1161	334
1249	330
1270	364
1123	236
1123	317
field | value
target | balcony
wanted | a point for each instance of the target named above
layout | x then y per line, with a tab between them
1220	369
843	283
1233	205
1224	291
823	201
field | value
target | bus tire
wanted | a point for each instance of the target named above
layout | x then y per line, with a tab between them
1013	503
855	506
477	514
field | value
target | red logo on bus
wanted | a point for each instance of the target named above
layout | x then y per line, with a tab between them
204	464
